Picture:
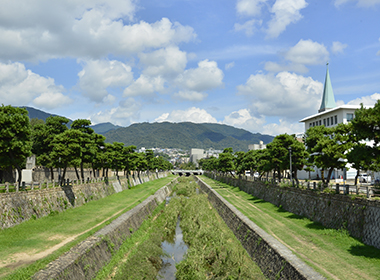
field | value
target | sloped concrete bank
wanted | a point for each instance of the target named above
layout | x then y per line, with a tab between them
85	259
17	207
274	259
359	216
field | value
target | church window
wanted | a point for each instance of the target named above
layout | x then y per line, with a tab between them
350	116
328	121
336	119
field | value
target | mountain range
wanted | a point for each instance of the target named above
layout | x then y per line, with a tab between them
184	135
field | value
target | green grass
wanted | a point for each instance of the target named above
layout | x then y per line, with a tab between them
36	236
214	251
333	253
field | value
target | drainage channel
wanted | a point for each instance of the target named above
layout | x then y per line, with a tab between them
174	250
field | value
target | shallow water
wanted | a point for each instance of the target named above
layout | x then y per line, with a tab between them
175	250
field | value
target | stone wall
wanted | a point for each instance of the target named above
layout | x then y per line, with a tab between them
84	260
360	216
274	259
16	207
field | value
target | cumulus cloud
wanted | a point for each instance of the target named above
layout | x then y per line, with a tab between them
283	127
99	75
338	47
285	12
369	100
292	67
360	3
51	100
19	86
229	65
40	30
243	119
249	27
167	62
193	114
307	52
286	94
207	76
190	95
249	7
125	114
145	87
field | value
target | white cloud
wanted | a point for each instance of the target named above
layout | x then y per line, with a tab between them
292	67
229	65
145	86
190	95
307	52
40	30
126	113
283	127
338	47
192	114
51	100
249	27
19	86
206	77
167	62
288	95
285	12
243	119
249	7
366	100
360	3
99	75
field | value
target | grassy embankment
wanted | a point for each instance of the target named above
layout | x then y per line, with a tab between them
213	252
26	248
333	253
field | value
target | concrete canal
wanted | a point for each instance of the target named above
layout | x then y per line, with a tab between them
183	239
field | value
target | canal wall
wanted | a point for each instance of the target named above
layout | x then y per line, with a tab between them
84	260
359	216
274	259
19	206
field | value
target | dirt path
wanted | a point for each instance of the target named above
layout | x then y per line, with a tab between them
20	259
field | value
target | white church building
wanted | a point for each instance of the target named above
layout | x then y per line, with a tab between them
330	115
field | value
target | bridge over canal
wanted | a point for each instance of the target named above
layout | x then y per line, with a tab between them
187	172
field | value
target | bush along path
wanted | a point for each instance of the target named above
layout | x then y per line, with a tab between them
214	252
333	253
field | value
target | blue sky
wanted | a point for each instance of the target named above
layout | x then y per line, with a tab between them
253	64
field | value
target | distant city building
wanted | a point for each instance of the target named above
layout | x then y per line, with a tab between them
196	154
259	146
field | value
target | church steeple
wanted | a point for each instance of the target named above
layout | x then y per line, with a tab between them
328	100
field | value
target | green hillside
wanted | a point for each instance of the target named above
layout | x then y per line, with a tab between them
186	135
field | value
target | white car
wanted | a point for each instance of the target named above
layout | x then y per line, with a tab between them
364	178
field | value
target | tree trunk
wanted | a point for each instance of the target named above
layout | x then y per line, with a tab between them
329	176
356	177
76	172
52	173
63	176
19	171
81	170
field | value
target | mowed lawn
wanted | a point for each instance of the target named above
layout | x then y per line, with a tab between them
53	235
333	253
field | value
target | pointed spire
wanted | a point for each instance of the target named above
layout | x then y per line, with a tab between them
328	100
